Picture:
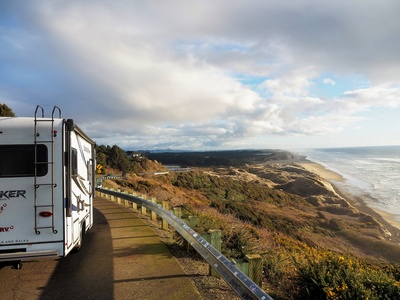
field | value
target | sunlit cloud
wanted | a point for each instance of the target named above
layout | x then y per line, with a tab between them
188	74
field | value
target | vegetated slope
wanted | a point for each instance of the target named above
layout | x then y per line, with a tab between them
283	212
226	158
119	161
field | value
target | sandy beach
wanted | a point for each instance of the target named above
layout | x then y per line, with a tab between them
321	171
390	218
332	176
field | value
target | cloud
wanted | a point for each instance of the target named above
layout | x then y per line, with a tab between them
189	74
385	95
329	81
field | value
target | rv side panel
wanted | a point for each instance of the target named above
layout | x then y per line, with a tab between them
46	187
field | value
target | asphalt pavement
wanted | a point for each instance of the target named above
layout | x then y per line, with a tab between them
143	266
121	258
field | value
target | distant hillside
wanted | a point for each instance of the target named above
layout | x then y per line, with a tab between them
114	158
221	158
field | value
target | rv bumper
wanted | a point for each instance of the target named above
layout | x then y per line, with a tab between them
28	255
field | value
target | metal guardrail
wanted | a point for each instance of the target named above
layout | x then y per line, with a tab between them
243	286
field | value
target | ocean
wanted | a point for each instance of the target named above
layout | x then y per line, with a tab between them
373	172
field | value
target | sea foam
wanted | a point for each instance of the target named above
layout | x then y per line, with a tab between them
371	171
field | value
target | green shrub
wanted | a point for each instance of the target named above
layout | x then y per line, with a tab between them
329	275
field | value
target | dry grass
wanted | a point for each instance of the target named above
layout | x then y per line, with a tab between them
279	211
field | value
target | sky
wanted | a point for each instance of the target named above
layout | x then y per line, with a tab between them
210	74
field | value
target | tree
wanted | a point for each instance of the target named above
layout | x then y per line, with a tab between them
117	158
5	111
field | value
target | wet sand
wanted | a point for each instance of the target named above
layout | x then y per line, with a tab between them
356	201
390	218
321	171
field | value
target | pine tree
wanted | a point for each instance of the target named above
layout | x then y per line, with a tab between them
5	111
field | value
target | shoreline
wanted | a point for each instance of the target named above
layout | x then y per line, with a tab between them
355	200
321	171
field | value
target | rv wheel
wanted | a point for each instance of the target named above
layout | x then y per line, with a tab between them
79	244
17	265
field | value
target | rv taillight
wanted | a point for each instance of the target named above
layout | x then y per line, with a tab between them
54	133
45	214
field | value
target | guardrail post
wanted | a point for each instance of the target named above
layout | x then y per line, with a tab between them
178	212
255	268
193	221
118	198
164	222
134	204
144	211
215	241
242	265
213	237
112	198
153	214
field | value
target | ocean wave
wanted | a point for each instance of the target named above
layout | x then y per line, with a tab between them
374	171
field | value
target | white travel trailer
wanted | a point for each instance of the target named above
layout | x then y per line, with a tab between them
47	174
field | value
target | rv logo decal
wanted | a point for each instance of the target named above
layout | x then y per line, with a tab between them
6	195
2	207
6	229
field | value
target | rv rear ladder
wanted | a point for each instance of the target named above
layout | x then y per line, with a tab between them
49	163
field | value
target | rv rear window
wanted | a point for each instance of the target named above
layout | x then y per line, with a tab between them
74	161
19	160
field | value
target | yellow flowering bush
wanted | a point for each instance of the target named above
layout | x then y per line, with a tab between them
329	275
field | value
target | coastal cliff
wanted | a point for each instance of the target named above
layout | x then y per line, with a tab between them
274	206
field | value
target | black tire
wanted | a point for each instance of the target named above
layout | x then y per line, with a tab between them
78	246
17	265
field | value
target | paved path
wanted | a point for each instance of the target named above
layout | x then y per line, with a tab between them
143	266
121	258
